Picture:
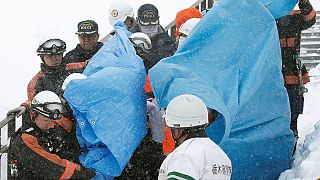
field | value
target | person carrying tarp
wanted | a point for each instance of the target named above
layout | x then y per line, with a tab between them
110	104
41	149
294	72
232	61
147	158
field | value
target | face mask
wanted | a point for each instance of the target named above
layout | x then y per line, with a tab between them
149	30
181	40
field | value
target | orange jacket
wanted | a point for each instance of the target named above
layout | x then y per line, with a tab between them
168	142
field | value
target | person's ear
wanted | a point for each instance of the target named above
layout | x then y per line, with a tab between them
212	115
33	115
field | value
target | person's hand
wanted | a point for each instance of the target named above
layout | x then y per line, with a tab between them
17	111
89	172
303	3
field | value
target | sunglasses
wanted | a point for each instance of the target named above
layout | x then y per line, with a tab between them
49	110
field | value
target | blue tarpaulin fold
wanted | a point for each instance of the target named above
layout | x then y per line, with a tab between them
232	60
110	106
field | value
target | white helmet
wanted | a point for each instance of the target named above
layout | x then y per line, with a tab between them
48	104
141	39
119	11
186	111
187	27
72	77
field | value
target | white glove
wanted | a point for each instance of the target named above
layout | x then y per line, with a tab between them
17	111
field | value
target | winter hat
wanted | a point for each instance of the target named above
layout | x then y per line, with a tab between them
184	15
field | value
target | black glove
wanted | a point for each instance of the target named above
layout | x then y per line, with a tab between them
17	111
141	51
89	172
305	6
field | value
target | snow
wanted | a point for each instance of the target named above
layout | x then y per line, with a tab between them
306	162
25	23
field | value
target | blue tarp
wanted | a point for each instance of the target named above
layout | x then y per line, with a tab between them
110	106
279	8
232	60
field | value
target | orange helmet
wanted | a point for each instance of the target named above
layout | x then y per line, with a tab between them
184	15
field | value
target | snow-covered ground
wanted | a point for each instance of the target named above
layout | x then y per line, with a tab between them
25	23
306	164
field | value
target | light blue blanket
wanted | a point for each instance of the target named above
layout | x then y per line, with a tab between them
232	60
110	106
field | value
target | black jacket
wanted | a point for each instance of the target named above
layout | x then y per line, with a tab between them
51	79
145	161
45	155
80	55
162	46
289	29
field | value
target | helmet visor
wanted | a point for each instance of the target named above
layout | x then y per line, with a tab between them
49	110
52	46
51	42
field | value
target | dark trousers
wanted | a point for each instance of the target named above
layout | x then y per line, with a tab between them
145	162
294	124
296	105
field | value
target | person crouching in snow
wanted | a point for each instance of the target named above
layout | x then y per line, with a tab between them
196	157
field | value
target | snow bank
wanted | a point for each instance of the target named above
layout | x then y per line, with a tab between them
306	162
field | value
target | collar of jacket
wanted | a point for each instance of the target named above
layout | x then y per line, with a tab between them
30	127
52	71
81	50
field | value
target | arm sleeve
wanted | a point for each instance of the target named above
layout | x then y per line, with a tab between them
31	156
32	88
308	14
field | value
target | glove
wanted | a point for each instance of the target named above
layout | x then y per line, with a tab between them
305	6
89	172
17	111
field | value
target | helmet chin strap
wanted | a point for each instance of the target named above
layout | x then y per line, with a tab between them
189	133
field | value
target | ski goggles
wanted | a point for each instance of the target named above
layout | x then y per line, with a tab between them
49	110
52	46
146	23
